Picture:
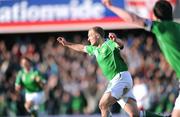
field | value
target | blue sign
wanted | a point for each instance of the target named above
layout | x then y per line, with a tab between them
53	10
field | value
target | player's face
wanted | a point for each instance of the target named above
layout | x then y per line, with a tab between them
25	64
92	37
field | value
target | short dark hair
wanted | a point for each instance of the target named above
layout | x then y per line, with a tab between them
163	10
99	30
27	59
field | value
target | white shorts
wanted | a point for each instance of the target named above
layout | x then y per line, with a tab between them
121	87
177	102
37	97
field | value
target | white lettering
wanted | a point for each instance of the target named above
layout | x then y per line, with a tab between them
33	14
15	12
86	10
5	14
46	13
61	12
23	15
21	12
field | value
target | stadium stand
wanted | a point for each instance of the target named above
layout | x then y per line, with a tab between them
74	82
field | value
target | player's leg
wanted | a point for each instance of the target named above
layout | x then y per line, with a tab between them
176	110
105	102
28	105
118	87
114	87
32	102
128	101
38	99
29	101
131	108
176	113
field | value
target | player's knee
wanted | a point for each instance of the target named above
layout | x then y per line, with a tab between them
103	106
27	106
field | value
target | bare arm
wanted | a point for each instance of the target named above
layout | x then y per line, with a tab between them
77	47
17	89
125	15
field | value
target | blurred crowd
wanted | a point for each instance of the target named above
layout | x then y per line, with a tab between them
74	81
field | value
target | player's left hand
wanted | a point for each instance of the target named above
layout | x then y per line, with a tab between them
107	3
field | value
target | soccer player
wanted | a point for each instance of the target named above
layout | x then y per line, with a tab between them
33	83
167	33
108	56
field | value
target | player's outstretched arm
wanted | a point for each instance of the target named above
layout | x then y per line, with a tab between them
125	15
77	47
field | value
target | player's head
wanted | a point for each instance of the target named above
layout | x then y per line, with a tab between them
163	10
25	62
96	35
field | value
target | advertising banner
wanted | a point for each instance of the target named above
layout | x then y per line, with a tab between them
55	15
24	16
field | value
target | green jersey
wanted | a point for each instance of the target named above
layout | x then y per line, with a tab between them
27	80
168	38
108	58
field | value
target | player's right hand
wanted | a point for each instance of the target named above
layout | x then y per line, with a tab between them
107	3
112	36
62	40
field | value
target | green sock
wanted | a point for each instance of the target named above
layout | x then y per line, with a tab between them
34	113
150	114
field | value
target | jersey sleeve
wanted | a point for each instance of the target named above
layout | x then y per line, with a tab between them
116	45
113	43
90	49
18	81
